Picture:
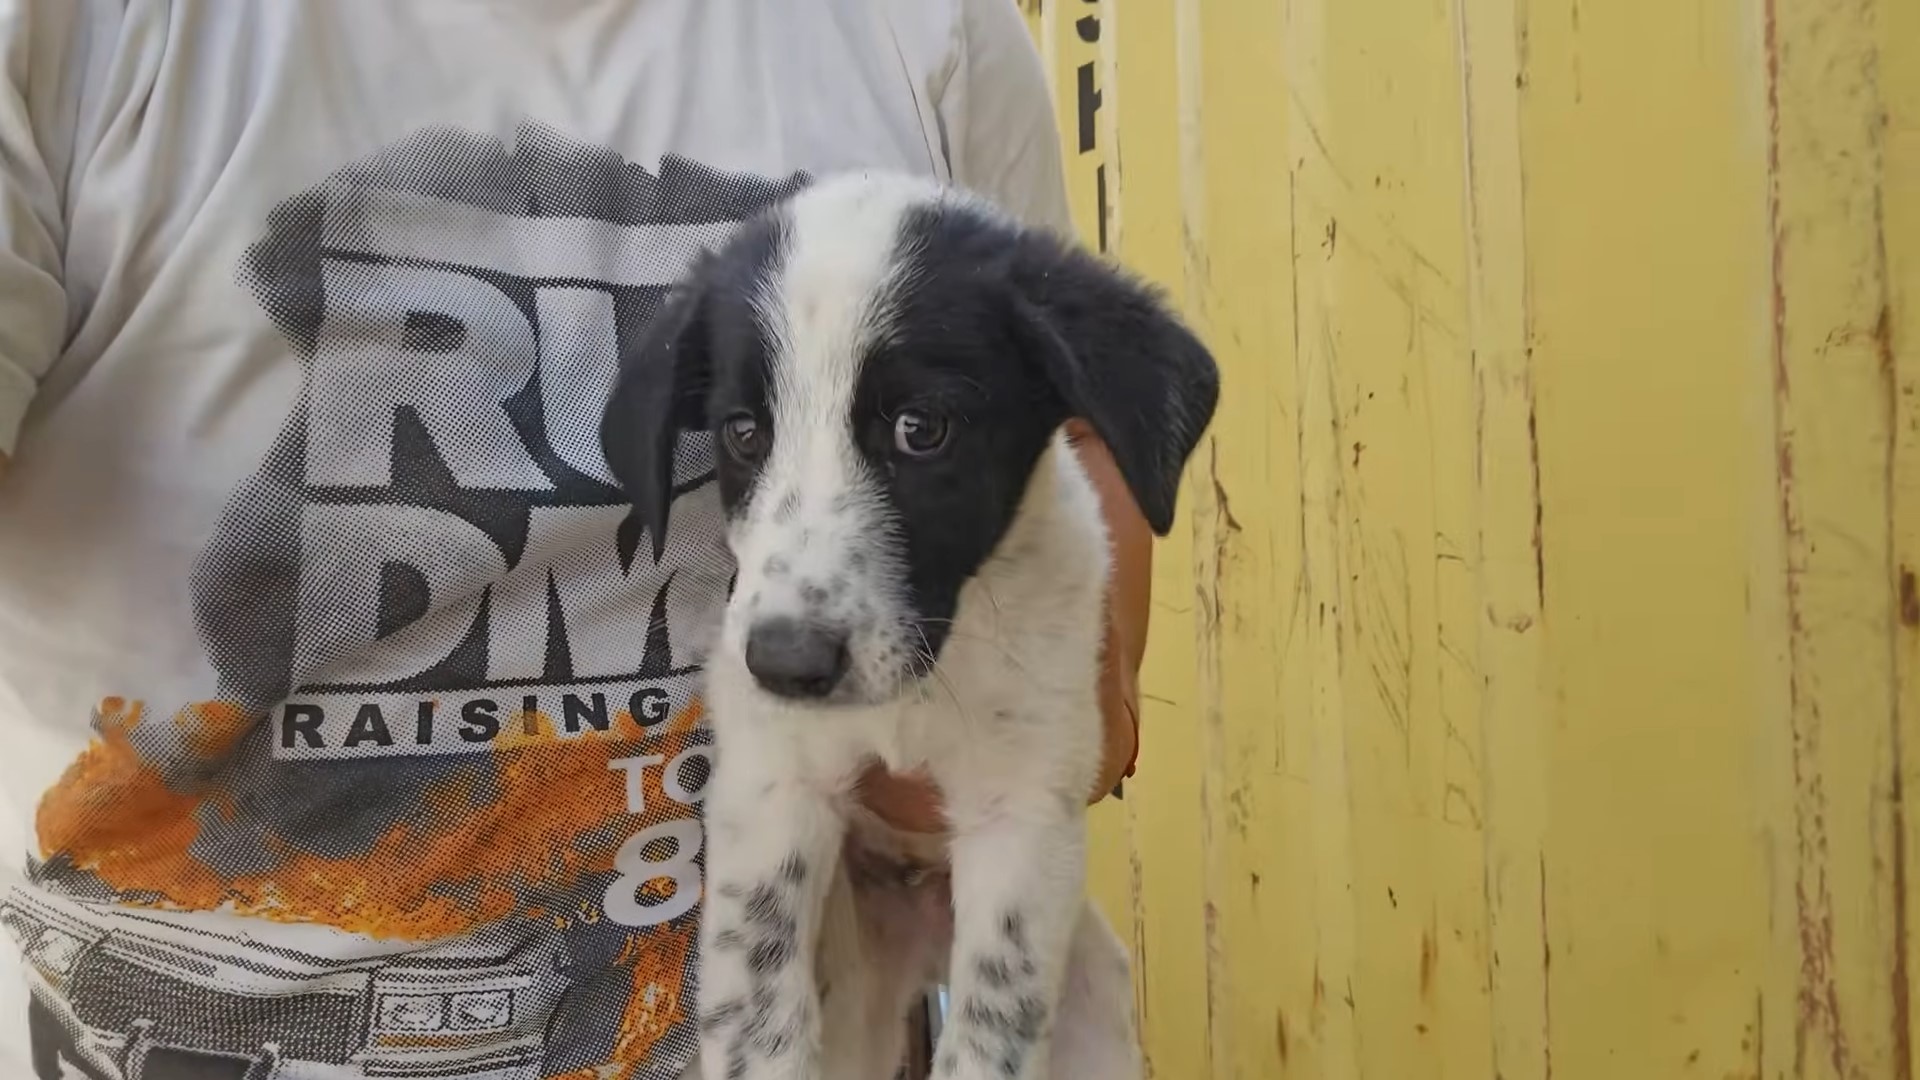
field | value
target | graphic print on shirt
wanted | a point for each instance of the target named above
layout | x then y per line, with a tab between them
443	817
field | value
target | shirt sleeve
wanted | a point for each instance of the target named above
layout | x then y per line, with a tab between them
47	49
998	119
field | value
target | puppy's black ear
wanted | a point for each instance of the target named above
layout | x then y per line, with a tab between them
1118	357
661	391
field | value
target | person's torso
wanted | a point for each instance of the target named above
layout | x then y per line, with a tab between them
364	720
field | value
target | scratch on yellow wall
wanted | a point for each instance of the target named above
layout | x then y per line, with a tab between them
1532	682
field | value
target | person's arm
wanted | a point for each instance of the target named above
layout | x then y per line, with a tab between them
997	120
49	50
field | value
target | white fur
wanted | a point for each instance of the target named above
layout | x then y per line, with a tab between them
1008	726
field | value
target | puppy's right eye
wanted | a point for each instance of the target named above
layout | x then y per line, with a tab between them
919	434
740	434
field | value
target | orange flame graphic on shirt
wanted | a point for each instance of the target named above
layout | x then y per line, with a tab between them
546	822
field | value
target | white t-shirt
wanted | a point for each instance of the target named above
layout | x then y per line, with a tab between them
346	719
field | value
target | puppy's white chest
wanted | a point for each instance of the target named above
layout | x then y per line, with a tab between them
904	738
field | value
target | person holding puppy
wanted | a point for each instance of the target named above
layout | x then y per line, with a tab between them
350	720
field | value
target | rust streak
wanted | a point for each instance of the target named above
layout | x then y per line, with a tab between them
1546	974
1136	885
1429	959
1533	460
1818	1001
1902	942
1215	961
1777	237
1231	523
1883	326
1909	617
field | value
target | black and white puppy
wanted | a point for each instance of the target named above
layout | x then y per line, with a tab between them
884	366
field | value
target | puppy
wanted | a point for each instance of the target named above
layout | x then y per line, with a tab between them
884	367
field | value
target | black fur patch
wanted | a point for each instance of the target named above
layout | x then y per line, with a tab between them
766	907
793	869
1013	927
721	1014
770	954
996	973
767	1034
1023	1018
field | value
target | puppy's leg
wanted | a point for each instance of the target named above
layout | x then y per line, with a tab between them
1017	879
1094	1037
775	855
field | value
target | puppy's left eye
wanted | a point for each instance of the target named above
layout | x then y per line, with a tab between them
740	433
920	434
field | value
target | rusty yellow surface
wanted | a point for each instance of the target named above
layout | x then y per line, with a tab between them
1532	687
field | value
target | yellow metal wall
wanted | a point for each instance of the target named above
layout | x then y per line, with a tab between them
1532	690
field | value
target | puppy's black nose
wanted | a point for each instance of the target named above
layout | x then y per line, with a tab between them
796	659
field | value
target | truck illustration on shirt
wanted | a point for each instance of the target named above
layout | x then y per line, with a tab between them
123	993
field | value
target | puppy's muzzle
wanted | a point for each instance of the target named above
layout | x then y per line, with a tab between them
792	658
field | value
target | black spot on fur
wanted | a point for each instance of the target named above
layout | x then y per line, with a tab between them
769	955
793	869
774	1039
721	1014
994	972
764	1033
1013	926
766	907
728	940
1023	1019
813	594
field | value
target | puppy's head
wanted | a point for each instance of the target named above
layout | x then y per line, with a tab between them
881	364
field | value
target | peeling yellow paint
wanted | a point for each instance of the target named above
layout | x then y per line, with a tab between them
1532	684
